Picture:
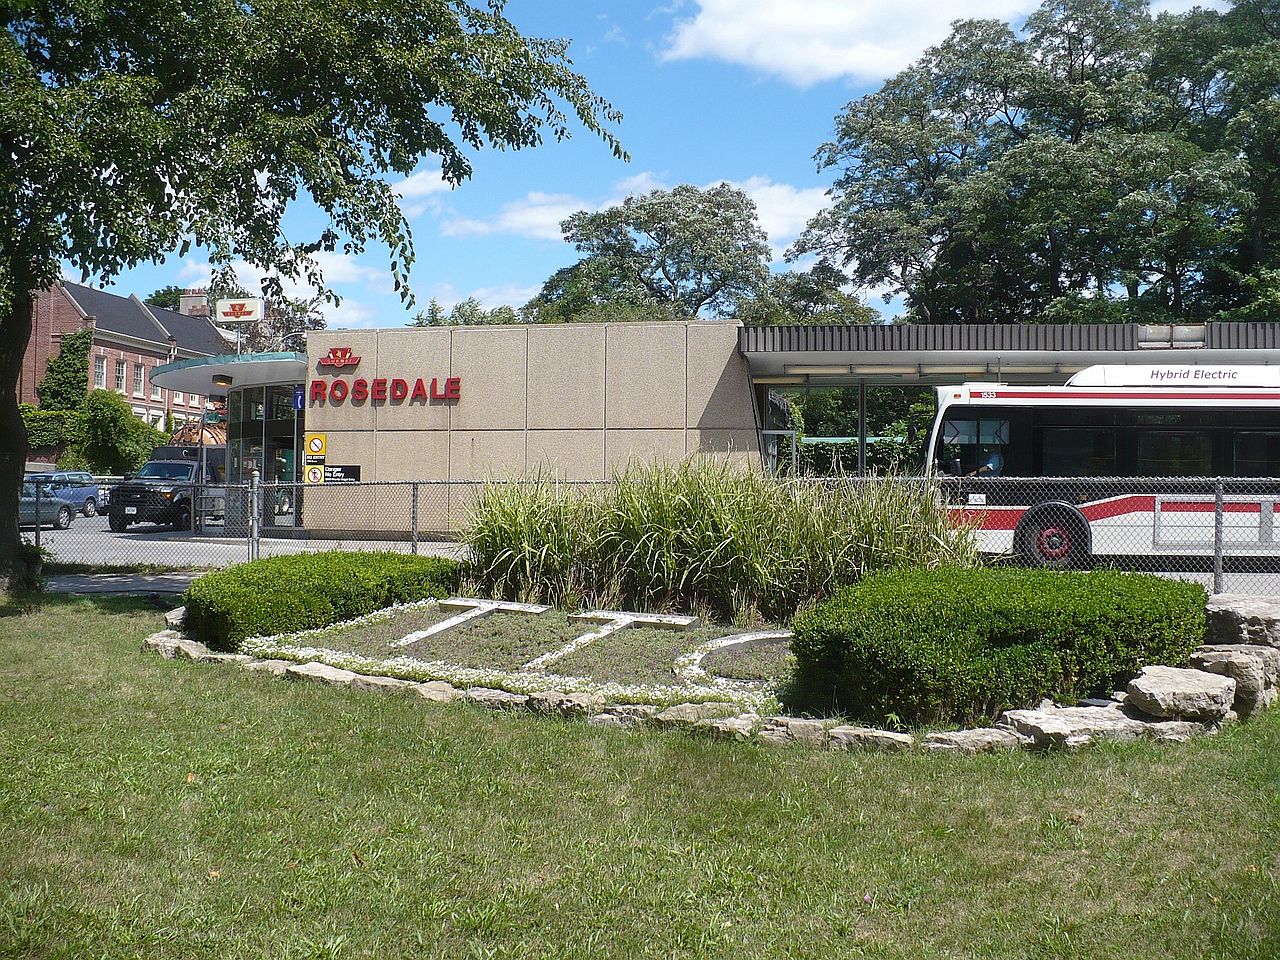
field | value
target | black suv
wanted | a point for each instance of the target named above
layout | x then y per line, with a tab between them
161	492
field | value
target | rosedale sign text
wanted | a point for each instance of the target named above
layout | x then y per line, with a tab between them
379	389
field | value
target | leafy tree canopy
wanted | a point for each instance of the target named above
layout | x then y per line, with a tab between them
685	249
469	312
1099	164
168	296
131	129
812	296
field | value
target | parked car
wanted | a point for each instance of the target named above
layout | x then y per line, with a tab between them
53	509
77	486
162	492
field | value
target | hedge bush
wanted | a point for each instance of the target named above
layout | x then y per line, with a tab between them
284	594
957	646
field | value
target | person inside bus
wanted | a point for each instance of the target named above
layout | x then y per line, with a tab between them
993	466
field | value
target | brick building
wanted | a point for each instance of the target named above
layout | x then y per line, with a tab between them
130	339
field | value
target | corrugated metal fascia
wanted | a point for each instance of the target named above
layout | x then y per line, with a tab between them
1242	336
997	337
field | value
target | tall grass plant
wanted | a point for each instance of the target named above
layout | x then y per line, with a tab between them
704	535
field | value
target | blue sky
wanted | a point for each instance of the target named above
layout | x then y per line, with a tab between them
710	90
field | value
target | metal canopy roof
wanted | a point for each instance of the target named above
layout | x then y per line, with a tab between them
1014	353
244	370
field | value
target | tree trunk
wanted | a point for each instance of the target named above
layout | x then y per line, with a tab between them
16	567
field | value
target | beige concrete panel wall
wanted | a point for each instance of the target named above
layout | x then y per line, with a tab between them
645	446
485	454
491	362
567	454
736	445
411	354
566	376
720	394
644	376
349	414
351	447
413	455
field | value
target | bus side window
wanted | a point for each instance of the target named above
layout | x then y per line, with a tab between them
1256	454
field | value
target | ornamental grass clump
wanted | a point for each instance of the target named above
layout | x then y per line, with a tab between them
703	535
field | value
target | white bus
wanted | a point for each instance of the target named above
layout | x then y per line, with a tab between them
1058	475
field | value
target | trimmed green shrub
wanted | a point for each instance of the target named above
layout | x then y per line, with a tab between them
956	646
704	535
284	594
51	428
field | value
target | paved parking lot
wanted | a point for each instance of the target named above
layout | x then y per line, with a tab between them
89	541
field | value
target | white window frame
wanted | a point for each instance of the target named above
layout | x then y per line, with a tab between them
100	372
138	373
122	374
177	397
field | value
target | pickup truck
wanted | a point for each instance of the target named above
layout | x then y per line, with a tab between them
161	492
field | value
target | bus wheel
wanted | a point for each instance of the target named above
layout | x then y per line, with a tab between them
1055	539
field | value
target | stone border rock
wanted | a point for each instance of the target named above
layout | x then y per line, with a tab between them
1224	681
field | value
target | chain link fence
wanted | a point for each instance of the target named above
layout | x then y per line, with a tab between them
1221	532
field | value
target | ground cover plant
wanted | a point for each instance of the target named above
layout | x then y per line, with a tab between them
636	663
958	646
154	808
703	534
282	594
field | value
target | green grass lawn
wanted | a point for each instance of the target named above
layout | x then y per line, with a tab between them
153	808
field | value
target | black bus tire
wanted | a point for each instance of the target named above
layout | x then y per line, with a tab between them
1055	537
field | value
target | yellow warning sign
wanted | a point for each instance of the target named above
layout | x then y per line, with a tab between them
313	475
317	444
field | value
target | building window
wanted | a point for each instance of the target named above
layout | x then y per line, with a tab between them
156	393
100	373
121	369
137	380
177	396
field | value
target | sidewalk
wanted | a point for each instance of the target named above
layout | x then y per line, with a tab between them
121	583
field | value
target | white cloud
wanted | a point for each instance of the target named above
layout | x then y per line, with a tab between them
638	184
508	295
783	209
807	41
349	314
419	192
536	216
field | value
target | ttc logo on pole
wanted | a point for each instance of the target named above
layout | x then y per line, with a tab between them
378	389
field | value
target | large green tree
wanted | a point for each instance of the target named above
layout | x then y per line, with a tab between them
687	249
135	128
1097	164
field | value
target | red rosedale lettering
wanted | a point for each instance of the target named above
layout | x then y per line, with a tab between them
383	389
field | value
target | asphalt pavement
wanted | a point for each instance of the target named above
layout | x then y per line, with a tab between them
89	541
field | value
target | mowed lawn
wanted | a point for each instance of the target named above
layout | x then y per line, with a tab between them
165	809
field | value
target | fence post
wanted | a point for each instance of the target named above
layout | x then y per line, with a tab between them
37	486
1217	536
413	517
254	514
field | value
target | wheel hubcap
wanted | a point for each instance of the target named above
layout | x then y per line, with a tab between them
1054	542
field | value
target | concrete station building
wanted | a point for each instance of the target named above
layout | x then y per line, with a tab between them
582	401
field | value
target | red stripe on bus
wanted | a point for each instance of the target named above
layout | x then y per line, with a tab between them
1006	518
987	519
1098	395
1118	508
1208	507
